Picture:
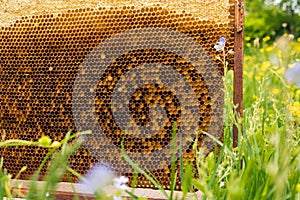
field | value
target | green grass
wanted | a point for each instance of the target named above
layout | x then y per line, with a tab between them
266	163
59	153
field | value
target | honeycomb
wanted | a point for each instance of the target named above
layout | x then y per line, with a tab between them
125	71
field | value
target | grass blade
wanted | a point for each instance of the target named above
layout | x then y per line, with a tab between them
140	170
173	161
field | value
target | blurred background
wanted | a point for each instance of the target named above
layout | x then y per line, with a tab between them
272	18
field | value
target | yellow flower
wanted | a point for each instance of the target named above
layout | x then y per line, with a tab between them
298	39
280	71
298	187
261	50
269	49
275	91
255	97
247	38
267	38
257	77
248	57
295	109
248	44
261	74
265	65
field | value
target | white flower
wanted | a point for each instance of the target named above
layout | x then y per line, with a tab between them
221	44
120	183
117	197
284	25
97	177
256	42
291	37
293	74
222	184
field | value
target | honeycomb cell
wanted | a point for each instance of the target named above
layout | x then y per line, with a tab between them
158	68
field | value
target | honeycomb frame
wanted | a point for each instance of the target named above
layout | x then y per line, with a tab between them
48	75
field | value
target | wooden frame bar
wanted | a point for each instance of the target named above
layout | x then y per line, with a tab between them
238	63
